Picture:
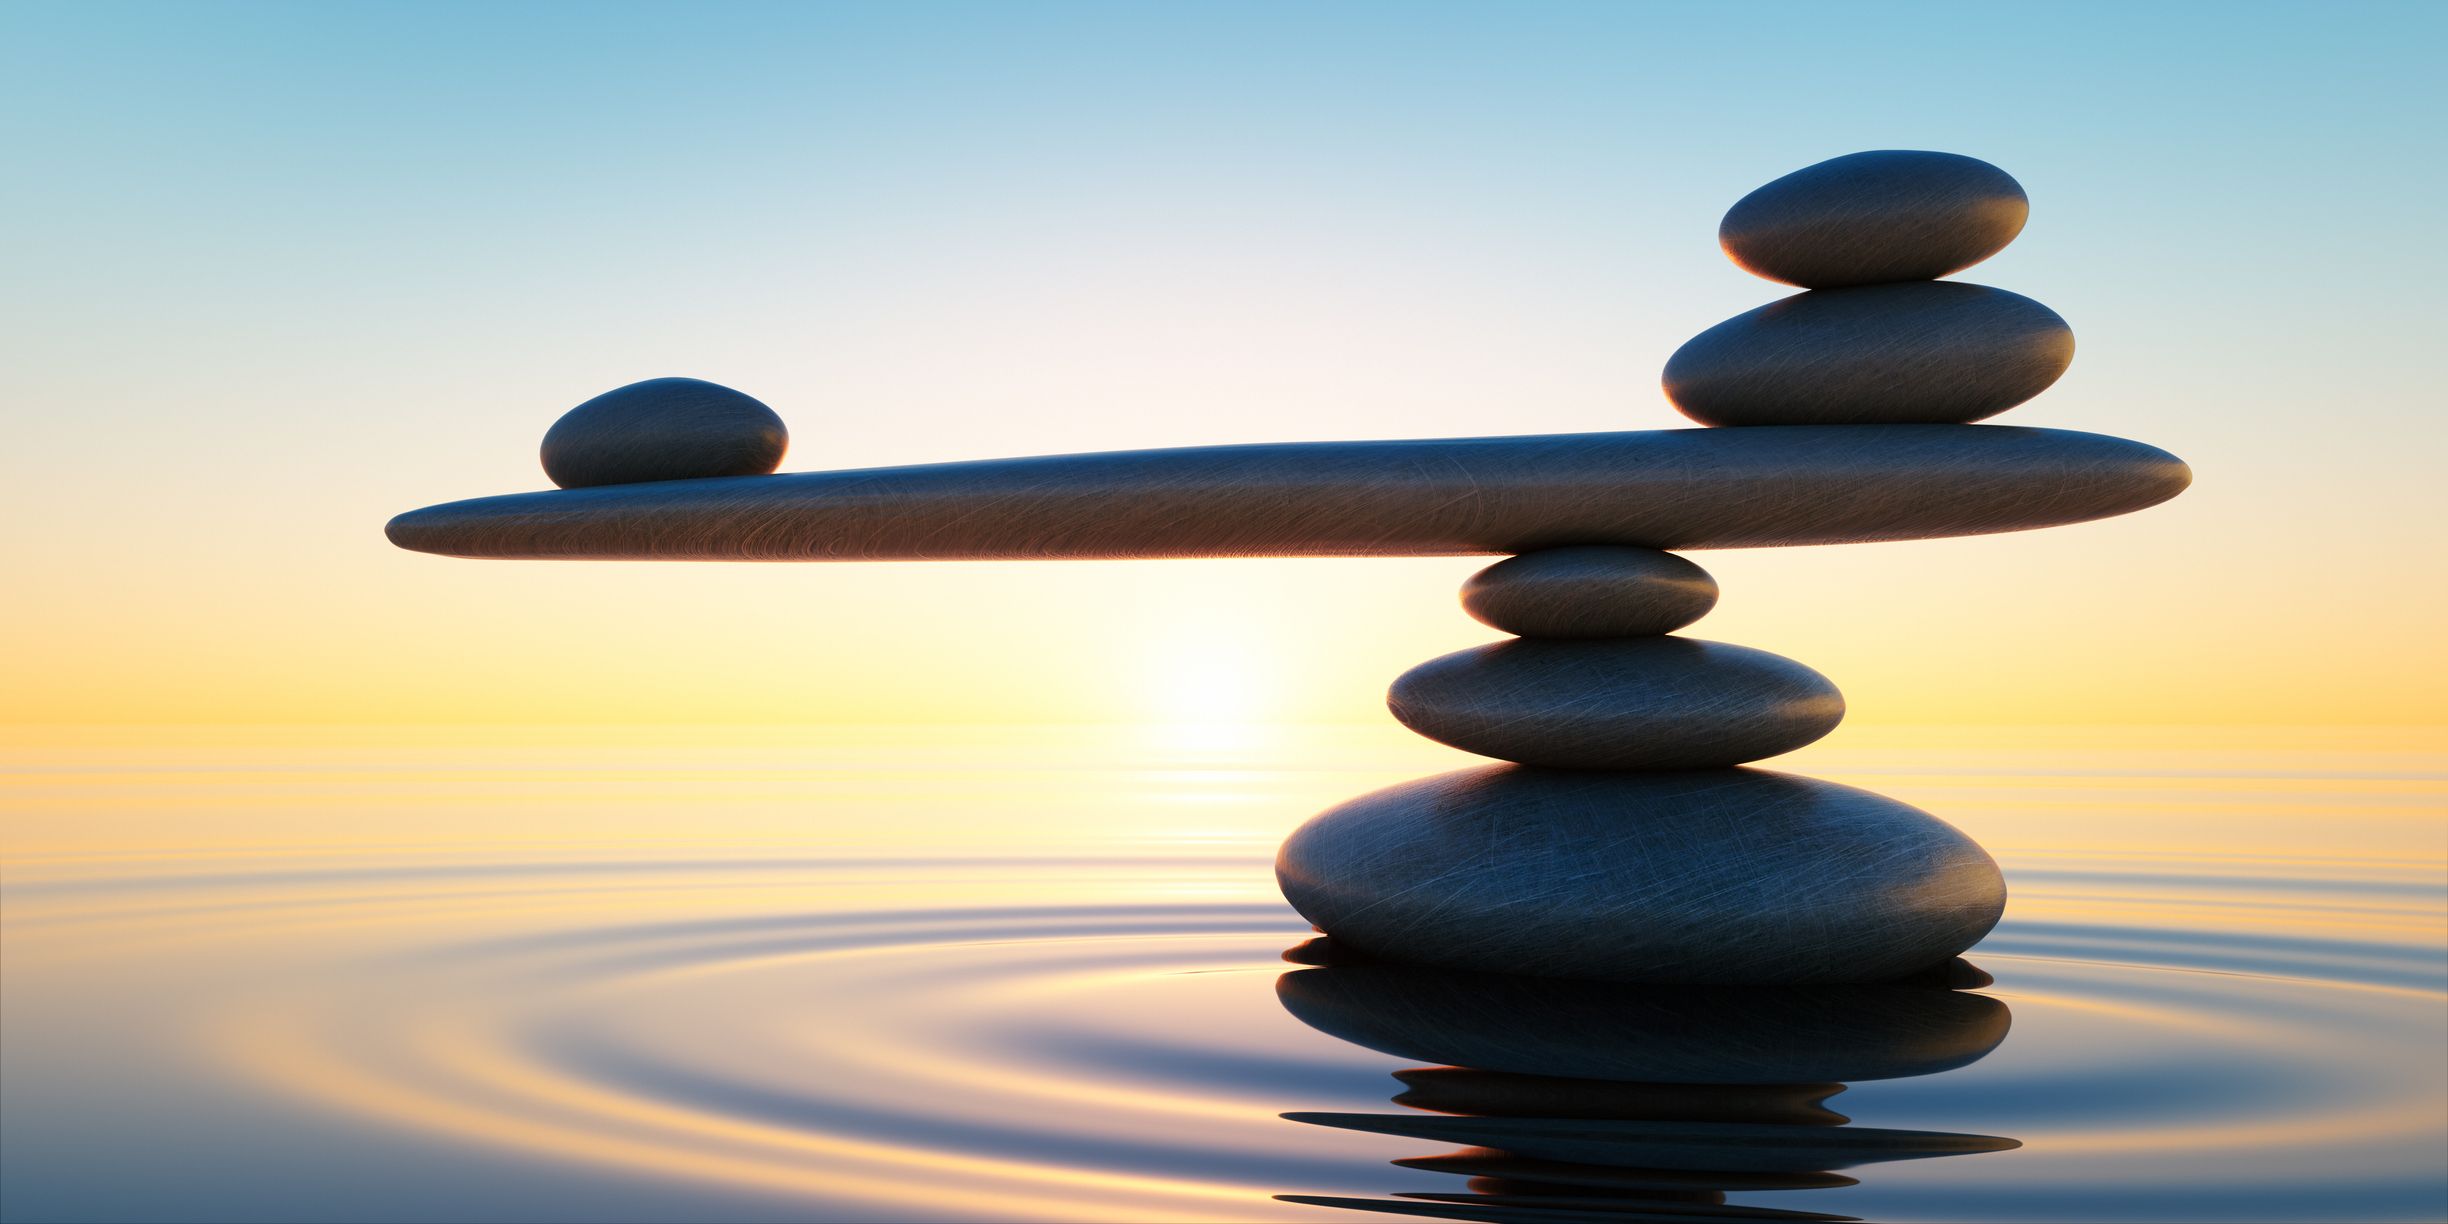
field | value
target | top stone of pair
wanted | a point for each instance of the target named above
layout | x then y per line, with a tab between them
1874	218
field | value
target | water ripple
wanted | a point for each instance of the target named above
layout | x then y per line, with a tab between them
775	1051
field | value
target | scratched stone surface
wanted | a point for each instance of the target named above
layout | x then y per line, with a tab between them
1868	218
663	429
1593	591
1932	352
1691	488
1617	703
1707	876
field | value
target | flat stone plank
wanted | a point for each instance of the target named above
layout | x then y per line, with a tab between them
1689	488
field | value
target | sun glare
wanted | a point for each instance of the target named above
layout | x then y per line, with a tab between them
1208	686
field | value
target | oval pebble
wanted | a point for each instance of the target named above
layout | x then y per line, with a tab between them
663	429
1619	703
1926	353
1594	591
1704	876
1868	218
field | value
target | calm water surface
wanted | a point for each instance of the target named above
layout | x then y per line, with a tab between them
977	974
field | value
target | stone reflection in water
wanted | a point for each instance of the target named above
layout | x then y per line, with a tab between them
1580	1100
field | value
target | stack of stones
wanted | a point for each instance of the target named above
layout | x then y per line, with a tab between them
1624	839
1625	842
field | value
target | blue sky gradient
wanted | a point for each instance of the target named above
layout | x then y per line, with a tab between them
281	270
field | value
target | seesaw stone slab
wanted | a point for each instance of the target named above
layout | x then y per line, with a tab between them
1685	488
663	429
1594	591
1704	876
1867	218
1932	352
1580	1030
1617	703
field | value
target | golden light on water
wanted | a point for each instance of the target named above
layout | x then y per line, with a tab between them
1025	973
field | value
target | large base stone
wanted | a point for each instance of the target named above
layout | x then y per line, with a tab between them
1716	875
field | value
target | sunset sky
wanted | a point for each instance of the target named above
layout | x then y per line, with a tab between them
278	273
